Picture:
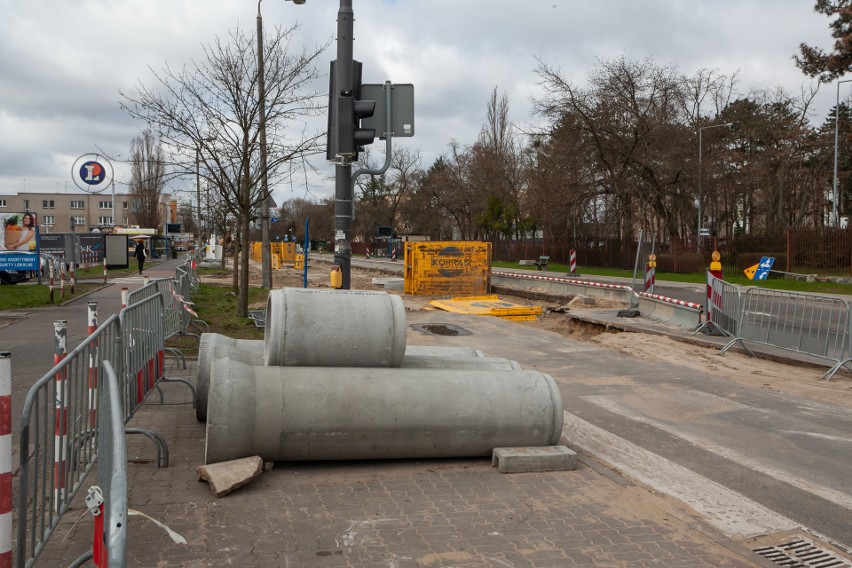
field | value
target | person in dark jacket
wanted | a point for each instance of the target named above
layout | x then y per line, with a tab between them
141	254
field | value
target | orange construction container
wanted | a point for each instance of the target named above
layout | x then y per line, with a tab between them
457	268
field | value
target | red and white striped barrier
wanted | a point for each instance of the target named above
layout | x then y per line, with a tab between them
5	460
572	261
650	278
60	442
125	293
674	301
93	366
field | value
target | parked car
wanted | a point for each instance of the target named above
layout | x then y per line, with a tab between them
12	276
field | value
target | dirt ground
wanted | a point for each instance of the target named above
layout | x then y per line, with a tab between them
801	380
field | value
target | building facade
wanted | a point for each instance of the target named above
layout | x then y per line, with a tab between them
78	212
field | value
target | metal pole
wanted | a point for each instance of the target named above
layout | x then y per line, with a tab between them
698	227
265	252
700	176
835	197
343	163
198	193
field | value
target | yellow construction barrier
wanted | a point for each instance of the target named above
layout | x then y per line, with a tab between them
300	262
447	268
490	305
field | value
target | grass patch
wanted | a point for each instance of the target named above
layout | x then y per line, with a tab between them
217	306
35	296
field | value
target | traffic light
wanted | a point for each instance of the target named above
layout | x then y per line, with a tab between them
346	110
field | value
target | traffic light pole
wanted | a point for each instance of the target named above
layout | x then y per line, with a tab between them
343	160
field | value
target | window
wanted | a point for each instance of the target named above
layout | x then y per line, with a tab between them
2	203
48	220
78	221
47	204
78	204
124	205
105	204
26	204
104	220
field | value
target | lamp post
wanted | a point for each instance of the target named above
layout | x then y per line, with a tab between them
265	253
835	196
700	176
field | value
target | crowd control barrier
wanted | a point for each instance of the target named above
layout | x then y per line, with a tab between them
60	442
724	307
814	325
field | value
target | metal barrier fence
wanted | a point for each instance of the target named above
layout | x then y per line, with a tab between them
59	443
108	500
723	308
813	325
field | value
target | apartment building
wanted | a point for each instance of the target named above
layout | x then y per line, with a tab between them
76	212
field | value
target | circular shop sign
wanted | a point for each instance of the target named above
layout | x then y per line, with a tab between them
92	173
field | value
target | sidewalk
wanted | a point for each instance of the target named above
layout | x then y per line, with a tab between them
406	513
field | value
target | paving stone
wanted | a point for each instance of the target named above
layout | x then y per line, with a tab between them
525	460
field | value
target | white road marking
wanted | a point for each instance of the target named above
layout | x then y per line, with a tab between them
732	513
827	493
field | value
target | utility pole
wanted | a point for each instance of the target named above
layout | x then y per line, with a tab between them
265	251
343	158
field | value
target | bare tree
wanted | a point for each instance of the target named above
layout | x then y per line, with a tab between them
209	111
147	180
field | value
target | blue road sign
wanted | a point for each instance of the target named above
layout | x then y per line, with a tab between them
764	267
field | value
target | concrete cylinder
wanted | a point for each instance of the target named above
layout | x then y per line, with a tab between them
214	346
300	413
334	328
443	351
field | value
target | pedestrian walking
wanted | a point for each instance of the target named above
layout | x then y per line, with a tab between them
141	254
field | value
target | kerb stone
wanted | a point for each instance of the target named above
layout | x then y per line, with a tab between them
530	459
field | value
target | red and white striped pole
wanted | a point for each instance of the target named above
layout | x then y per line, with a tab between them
650	273
105	270
93	366
125	293
62	281
5	460
60	350
51	276
572	259
73	277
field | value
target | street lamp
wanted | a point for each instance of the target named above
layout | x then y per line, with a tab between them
835	219
265	252
700	145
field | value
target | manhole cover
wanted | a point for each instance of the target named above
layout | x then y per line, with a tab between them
802	553
446	329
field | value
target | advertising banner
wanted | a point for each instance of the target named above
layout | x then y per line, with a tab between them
19	232
19	238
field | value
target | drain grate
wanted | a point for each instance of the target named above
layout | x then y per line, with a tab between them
802	553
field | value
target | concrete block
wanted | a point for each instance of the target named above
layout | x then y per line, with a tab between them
529	459
228	476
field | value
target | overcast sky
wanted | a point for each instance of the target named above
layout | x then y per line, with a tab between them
63	62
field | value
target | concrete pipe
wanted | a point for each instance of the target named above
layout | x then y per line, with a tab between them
300	413
334	328
214	346
443	351
250	351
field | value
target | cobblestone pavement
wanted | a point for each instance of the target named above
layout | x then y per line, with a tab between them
415	513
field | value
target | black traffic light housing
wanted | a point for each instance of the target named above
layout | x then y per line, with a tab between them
345	112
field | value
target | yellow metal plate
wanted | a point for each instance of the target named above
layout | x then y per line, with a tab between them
490	305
